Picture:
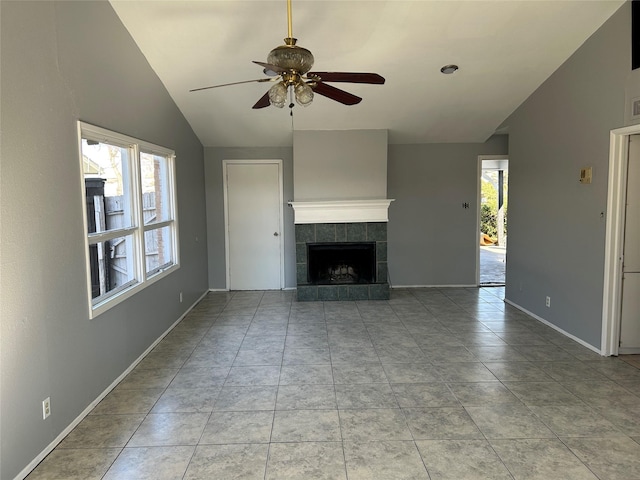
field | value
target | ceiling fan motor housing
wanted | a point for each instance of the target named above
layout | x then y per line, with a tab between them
291	57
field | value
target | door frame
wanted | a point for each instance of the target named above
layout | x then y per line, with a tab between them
277	162
481	158
614	238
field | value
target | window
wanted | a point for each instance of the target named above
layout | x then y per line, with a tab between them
130	214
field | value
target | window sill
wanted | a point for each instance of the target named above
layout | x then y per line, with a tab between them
108	303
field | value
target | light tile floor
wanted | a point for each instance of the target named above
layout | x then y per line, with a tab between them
432	384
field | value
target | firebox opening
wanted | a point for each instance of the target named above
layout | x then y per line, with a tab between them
340	263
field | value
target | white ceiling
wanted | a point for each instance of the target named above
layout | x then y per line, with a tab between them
505	50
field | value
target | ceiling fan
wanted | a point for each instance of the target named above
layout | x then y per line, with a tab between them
289	65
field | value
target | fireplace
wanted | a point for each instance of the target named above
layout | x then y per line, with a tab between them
341	261
338	263
341	249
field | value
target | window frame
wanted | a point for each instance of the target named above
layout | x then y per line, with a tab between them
141	278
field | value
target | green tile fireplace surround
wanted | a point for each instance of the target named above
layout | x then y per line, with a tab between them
342	232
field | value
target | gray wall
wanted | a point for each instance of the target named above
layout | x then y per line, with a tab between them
556	232
64	61
432	239
340	165
215	208
429	183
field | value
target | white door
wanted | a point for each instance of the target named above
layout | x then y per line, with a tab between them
253	199
630	313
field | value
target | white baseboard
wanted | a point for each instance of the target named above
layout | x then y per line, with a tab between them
49	448
285	289
433	286
628	351
555	327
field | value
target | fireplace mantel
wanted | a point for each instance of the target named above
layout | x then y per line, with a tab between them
341	211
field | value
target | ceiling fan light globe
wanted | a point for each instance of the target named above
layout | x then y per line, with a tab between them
291	57
304	94
278	95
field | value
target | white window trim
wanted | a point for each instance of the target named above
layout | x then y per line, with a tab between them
141	279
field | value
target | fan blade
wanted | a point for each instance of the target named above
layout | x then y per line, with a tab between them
346	77
336	94
233	83
273	68
263	102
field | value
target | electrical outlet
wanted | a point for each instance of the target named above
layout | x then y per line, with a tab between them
180	297
547	302
46	407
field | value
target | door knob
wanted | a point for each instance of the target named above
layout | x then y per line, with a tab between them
275	234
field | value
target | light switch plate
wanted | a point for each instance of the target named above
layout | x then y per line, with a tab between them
585	175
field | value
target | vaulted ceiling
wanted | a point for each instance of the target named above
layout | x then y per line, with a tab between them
505	50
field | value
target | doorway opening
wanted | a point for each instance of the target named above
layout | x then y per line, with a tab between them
612	302
493	181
